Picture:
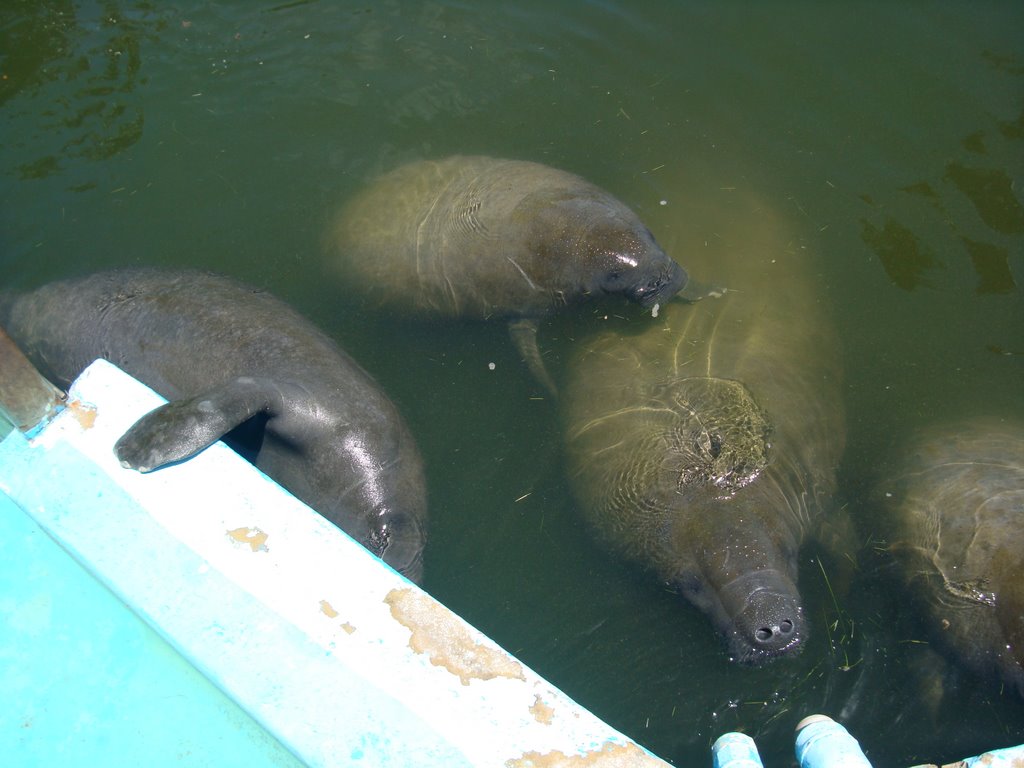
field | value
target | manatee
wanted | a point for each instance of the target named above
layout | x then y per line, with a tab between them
230	357
704	445
482	237
955	509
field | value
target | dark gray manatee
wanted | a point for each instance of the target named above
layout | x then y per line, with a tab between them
956	507
481	237
226	355
704	445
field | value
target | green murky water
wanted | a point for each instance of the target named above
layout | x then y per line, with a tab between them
890	137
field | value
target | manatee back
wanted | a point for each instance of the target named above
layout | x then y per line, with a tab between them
478	237
956	516
704	443
58	325
733	388
148	321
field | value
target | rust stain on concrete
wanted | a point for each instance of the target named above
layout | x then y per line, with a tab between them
84	413
987	759
542	712
328	610
254	537
446	641
609	756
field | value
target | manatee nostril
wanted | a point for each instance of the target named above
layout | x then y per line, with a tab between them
774	634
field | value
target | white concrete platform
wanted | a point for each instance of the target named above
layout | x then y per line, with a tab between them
338	657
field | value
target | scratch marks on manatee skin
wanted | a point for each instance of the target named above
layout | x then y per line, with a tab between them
446	641
627	412
526	277
419	229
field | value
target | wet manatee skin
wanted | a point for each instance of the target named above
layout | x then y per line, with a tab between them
483	237
226	354
955	509
703	444
479	237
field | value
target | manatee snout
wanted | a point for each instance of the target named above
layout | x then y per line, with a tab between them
623	258
399	539
764	618
661	286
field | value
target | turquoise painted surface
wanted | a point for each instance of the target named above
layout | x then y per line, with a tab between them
235	613
86	683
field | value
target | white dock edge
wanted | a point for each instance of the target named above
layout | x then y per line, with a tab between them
339	657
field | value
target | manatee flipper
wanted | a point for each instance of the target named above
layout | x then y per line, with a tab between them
524	336
180	429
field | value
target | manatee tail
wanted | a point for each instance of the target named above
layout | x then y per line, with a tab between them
524	336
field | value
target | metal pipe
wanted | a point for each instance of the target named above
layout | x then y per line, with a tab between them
735	750
821	742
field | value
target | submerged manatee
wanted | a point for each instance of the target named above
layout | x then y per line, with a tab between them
704	445
957	514
481	237
225	355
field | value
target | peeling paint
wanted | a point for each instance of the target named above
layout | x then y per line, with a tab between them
254	537
446	640
328	610
541	711
984	760
609	756
84	413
